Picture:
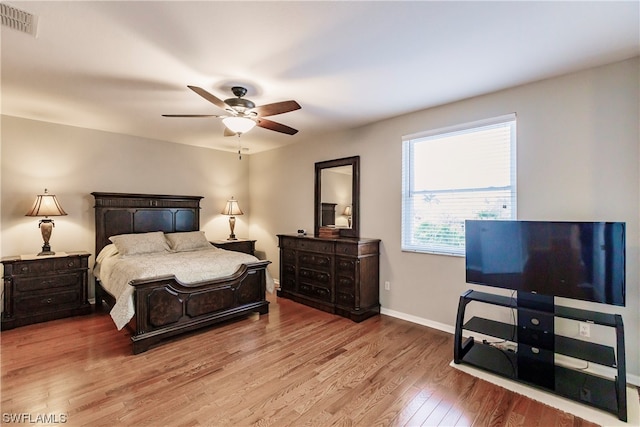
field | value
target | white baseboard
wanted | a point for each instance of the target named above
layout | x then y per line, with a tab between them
419	320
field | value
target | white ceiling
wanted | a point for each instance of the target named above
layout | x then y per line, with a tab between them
117	66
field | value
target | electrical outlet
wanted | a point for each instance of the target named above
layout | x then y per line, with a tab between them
585	330
387	286
512	347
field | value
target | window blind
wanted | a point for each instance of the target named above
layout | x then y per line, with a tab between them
453	174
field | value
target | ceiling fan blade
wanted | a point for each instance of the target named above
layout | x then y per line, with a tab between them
190	115
278	127
276	108
206	95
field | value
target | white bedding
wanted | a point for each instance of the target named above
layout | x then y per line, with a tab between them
115	272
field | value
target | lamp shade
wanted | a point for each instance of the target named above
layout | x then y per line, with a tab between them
239	124
347	211
232	208
46	205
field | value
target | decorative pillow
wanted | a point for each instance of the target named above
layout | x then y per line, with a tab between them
141	243
189	241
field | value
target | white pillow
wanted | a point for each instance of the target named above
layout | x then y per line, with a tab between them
107	252
188	241
141	243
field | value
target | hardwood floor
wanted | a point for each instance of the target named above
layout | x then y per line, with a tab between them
295	366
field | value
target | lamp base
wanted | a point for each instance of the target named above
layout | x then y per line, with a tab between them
46	250
46	226
232	225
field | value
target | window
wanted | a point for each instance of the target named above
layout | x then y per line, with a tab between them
454	174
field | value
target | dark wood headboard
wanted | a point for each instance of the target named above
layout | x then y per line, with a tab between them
124	213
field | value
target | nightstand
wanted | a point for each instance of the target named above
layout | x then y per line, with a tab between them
37	289
241	245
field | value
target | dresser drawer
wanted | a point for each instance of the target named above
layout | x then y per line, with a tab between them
289	269
288	279
317	292
61	264
30	284
33	267
361	248
343	248
287	242
345	283
315	246
308	260
288	282
47	301
345	299
40	266
319	277
289	256
346	266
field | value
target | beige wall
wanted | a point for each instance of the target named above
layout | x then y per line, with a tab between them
72	162
578	159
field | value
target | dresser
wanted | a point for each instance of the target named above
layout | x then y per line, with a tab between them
44	288
340	275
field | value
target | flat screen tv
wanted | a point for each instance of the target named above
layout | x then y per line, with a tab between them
579	260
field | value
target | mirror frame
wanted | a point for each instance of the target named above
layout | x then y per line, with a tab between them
354	162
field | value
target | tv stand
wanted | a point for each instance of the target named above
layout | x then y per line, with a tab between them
525	351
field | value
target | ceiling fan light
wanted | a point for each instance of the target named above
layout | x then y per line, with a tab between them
239	124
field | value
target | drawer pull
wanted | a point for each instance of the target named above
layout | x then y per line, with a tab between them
70	264
47	301
25	269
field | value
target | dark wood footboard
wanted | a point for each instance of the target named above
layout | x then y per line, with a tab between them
164	307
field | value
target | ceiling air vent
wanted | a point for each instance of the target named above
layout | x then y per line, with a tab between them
18	19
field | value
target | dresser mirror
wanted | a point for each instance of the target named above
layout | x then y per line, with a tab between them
337	196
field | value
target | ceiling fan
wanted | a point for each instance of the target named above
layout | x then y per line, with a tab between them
242	114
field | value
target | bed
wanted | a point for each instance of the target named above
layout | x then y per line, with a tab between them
163	305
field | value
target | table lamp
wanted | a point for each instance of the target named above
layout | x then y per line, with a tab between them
232	209
46	205
347	213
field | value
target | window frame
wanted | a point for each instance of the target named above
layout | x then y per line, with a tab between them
408	167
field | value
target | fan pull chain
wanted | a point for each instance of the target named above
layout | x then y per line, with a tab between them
239	148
